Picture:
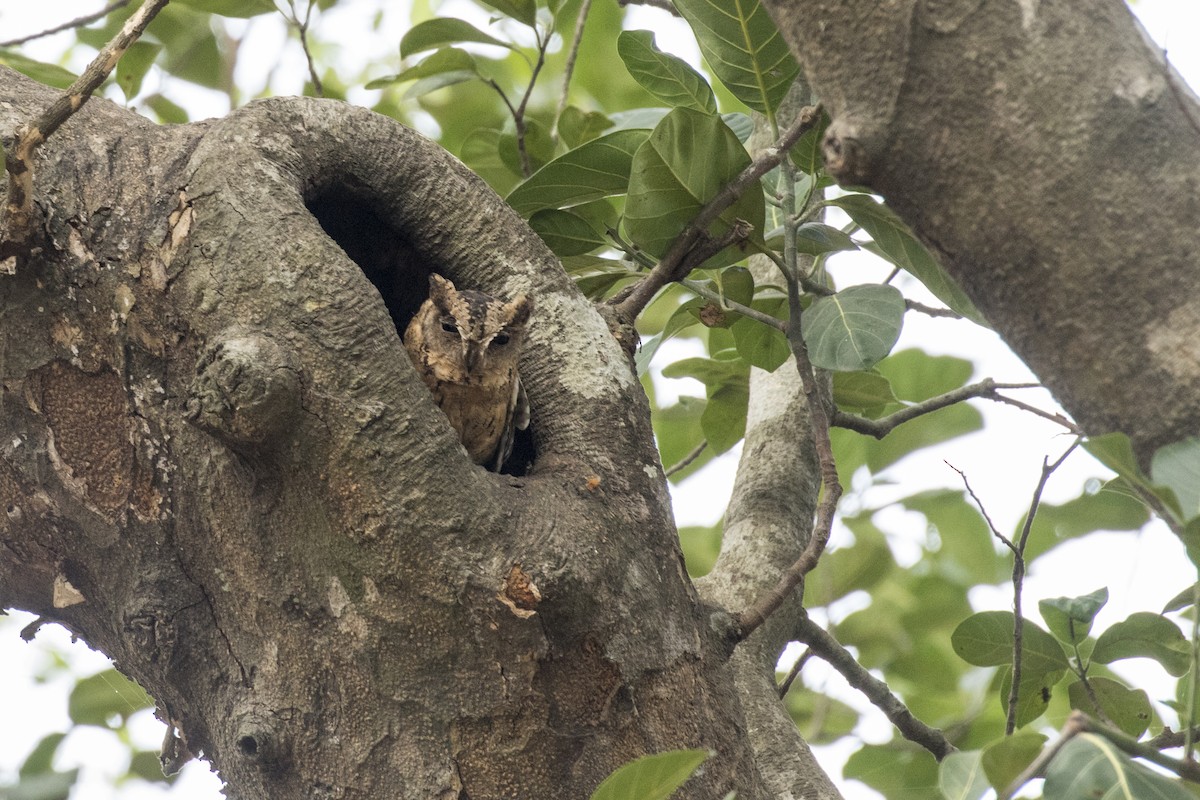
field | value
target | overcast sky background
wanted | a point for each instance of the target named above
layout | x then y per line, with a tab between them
1142	571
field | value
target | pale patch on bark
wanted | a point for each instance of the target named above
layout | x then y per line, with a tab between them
1174	341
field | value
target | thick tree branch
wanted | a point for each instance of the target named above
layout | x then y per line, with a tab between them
18	217
688	250
830	650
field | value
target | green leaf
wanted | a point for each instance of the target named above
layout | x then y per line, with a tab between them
744	48
916	376
724	418
1128	708
1182	600
1145	635
96	699
576	126
667	77
1102	510
651	777
761	345
1070	618
898	771
684	164
821	719
850	569
853	329
242	9
701	545
677	431
596	169
961	776
46	786
166	110
986	640
133	66
1004	760
434	33
899	246
565	233
49	74
1176	466
1089	767
40	761
521	10
863	391
447	61
815	238
960	540
481	152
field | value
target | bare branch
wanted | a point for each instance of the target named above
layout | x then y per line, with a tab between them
733	305
995	531
786	685
931	311
686	461
30	136
569	68
302	28
680	259
830	650
78	22
986	389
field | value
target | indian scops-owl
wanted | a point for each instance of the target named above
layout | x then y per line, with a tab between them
465	346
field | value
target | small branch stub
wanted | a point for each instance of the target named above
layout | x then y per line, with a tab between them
520	593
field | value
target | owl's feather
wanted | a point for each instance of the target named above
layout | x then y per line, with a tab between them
465	345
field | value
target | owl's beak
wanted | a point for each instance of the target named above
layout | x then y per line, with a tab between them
473	353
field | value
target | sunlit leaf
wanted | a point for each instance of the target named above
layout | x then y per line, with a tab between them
961	776
853	329
106	694
686	161
434	33
593	170
743	46
667	77
653	777
1145	635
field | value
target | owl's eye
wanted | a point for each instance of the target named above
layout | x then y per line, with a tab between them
449	327
500	339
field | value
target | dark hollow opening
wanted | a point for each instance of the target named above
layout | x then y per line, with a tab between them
398	272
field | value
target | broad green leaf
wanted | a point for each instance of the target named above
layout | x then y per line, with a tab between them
961	776
593	170
709	371
434	33
577	126
481	152
899	771
741	125
232	8
565	233
1034	696
744	48
1128	708
103	695
759	344
44	786
539	145
191	51
960	541
701	545
41	760
1102	510
1004	760
821	719
1145	635
898	245
133	66
724	418
635	118
1115	451
166	110
686	161
49	74
916	376
653	777
449	61
1070	618
147	765
521	10
1182	600
853	329
863	391
848	569
815	238
677	431
986	640
806	153
1177	467
1089	767
667	77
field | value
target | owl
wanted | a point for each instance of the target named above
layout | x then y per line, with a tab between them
465	346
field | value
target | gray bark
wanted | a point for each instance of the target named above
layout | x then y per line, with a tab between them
1051	159
219	468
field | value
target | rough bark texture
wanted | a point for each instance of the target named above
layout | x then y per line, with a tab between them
218	467
1051	158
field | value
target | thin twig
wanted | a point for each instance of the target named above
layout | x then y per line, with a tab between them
995	531
986	389
794	672
686	461
831	651
519	113
931	311
78	22
1170	739
733	305
302	27
748	620
1018	580
569	69
30	136
680	258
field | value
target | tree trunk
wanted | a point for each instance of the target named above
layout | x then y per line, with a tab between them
220	469
1051	158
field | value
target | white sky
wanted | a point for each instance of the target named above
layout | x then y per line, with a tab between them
1142	571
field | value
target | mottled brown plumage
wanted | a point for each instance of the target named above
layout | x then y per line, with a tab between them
465	346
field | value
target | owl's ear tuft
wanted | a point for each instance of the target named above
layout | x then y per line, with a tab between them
441	291
519	308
